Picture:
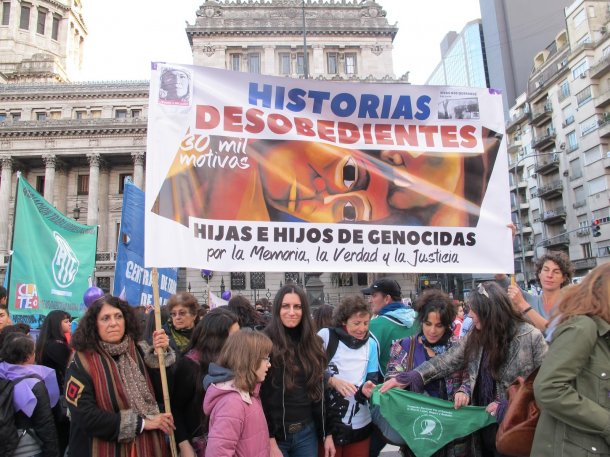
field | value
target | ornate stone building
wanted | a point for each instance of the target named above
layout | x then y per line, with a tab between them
77	142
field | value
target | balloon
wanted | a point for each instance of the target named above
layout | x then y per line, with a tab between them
92	294
207	274
226	295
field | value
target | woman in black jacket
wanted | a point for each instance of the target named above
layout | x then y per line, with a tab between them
35	394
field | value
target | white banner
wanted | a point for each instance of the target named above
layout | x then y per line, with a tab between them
246	172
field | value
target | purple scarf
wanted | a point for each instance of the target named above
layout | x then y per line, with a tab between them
23	397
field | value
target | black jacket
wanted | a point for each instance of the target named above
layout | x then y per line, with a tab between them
41	422
187	399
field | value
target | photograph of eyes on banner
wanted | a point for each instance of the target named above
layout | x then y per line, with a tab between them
258	173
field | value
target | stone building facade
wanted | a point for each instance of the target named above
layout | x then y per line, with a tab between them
77	142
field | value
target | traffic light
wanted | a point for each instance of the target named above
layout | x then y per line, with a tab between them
595	228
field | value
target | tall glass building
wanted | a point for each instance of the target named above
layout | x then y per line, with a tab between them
463	61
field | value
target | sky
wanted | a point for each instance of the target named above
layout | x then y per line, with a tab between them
121	46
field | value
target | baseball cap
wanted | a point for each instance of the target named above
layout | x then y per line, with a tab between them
385	285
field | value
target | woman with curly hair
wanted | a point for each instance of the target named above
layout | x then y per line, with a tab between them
500	347
293	391
353	370
108	389
572	387
554	271
183	310
435	314
208	339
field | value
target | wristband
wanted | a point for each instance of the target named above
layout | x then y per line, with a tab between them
524	312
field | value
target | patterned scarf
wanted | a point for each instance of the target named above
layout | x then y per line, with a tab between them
438	348
140	400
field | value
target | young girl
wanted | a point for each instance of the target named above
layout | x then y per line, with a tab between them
237	423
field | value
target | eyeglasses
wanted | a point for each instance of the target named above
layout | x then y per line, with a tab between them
267	359
181	313
482	290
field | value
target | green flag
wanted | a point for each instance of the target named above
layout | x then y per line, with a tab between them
53	257
427	423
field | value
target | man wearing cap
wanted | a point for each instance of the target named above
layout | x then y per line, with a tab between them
393	320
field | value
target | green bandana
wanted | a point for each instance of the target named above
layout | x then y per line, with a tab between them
426	423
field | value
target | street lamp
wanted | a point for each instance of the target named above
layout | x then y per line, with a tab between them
76	212
518	203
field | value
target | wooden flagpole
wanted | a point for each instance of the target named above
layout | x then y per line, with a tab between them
161	355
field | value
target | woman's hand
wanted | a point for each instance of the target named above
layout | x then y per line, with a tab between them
160	339
390	384
329	447
275	450
460	399
347	389
367	389
186	450
163	422
516	296
492	407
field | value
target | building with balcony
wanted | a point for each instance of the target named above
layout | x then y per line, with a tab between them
567	162
76	143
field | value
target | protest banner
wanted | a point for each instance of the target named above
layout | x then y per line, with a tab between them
53	257
426	423
132	281
250	172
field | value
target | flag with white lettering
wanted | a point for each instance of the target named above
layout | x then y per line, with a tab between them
53	257
132	281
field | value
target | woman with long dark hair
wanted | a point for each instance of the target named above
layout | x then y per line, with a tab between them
246	313
208	339
108	388
500	347
293	391
53	351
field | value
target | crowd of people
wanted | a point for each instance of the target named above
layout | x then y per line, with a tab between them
282	380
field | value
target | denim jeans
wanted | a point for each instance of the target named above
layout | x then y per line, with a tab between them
303	443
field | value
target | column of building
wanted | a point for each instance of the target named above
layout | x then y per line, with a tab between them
94	177
49	176
5	197
138	169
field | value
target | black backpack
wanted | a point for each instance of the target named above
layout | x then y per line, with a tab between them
9	440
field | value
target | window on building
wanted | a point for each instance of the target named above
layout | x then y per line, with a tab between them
601	213
584	96
572	141
534	192
24	20
6	13
55	27
284	63
350	63
300	63
292	277
596	185
55	114
592	155
586	250
120	114
80	114
579	194
40	184
136	113
362	279
236	62
103	282
82	185
603	249
536	215
41	22
530	171
331	63
2	117
584	39
257	280
41	116
588	125
254	63
238	281
96	113
579	17
568	115
564	90
16	117
580	68
606	52
575	168
122	178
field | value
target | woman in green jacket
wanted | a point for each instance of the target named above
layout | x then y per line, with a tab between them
573	385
